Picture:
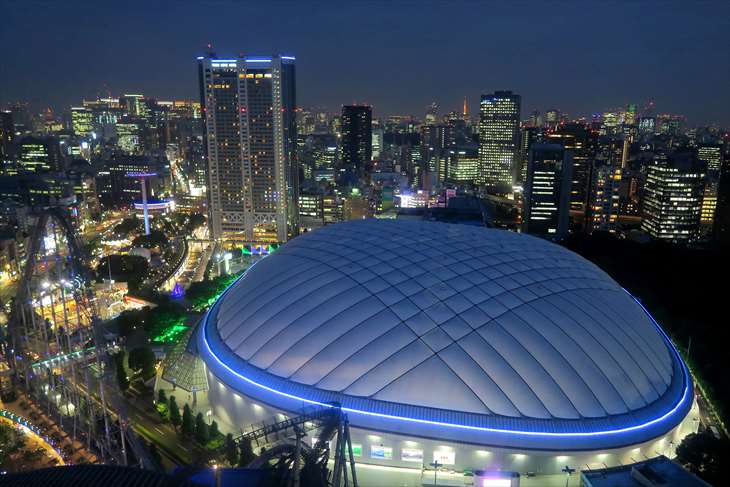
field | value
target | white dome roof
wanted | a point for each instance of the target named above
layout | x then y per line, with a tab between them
448	317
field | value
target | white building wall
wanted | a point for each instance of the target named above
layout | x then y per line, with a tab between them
236	413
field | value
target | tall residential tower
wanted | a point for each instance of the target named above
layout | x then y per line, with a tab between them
253	175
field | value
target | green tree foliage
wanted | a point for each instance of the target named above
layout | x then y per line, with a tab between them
202	294
155	321
214	431
128	225
143	358
175	418
246	455
131	269
201	429
122	378
195	221
156	239
188	425
704	455
231	450
11	441
161	396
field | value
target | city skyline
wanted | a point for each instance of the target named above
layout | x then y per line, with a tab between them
364	244
609	57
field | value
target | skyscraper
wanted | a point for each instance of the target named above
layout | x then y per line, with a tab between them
82	121
711	155
357	142
253	175
673	197
39	154
499	139
604	182
547	191
7	137
583	143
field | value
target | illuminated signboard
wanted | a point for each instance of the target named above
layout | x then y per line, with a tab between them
496	483
444	457
411	455
382	452
356	450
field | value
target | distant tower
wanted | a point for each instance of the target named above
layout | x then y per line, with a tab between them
466	110
143	176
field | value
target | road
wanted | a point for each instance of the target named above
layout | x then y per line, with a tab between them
142	416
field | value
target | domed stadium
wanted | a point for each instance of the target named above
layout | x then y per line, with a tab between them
474	347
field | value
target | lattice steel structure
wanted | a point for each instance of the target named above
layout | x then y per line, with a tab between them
59	355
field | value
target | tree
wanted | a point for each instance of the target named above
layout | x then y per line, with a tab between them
143	358
124	268
229	446
155	239
188	425
128	226
175	418
161	396
122	378
247	456
201	430
11	441
214	431
704	455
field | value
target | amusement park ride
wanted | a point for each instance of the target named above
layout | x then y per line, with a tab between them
59	354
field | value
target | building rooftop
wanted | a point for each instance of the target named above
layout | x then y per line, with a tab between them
657	472
452	324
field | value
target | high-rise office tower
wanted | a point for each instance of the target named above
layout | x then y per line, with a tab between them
583	143
39	154
250	119
463	164
547	191
673	197
711	156
7	137
499	139
528	137
82	121
357	142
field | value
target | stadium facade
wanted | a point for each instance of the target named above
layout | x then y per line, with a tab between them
477	348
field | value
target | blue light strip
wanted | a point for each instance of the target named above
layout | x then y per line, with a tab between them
258	60
628	429
290	58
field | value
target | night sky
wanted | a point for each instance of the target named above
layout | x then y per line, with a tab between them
579	57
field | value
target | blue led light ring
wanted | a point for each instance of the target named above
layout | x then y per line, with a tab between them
678	407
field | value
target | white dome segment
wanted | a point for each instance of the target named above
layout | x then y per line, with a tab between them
449	331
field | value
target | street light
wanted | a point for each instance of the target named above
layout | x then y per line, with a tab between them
568	471
435	464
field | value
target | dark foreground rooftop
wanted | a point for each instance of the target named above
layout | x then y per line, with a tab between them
657	472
